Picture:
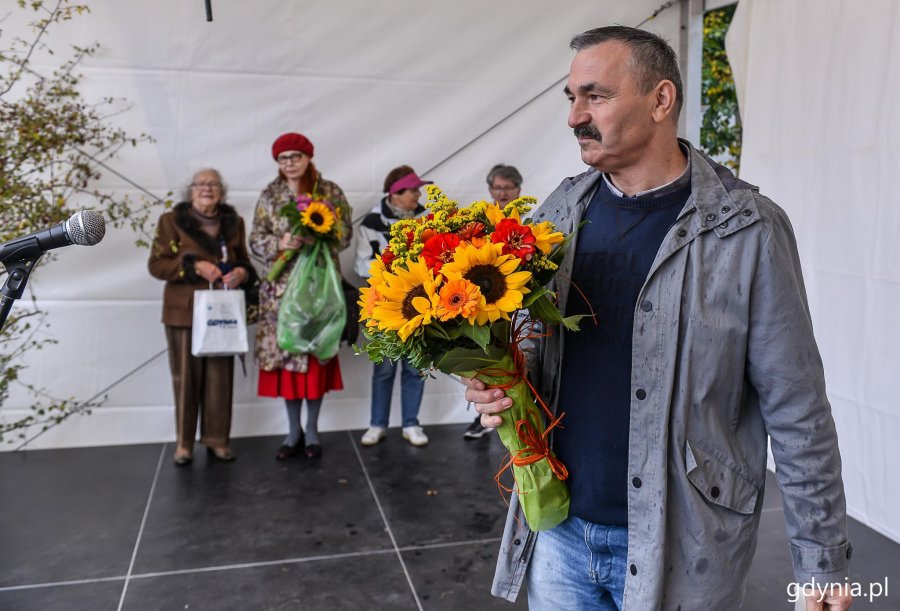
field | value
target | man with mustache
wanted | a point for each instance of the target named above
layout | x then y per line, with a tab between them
702	351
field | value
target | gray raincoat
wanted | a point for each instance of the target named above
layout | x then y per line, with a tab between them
723	358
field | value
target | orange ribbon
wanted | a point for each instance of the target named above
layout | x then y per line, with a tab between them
536	445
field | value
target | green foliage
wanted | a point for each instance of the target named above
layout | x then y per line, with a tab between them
52	142
720	133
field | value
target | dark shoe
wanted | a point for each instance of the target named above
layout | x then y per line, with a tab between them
183	460
314	450
220	454
285	452
475	430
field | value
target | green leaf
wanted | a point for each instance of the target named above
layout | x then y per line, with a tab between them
545	310
534	295
468	360
480	334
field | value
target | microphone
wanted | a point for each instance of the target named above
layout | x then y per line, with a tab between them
85	228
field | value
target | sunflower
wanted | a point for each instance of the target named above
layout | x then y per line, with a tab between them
545	237
460	298
409	299
318	217
494	274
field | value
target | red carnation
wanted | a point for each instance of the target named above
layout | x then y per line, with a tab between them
516	239
439	250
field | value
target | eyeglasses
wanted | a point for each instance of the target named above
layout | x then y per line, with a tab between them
503	189
289	158
211	185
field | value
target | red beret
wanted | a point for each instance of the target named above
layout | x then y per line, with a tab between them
291	141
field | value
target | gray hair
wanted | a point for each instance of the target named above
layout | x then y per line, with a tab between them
508	172
653	59
186	192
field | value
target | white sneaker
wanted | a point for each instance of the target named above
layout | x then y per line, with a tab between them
374	435
415	435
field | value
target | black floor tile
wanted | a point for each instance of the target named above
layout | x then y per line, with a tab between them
444	492
457	577
258	509
72	514
363	582
101	596
75	514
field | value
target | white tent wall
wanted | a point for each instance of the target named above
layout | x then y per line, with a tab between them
816	80
374	85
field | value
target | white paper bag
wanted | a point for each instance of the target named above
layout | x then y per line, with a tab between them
220	324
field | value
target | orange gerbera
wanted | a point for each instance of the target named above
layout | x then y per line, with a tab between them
369	297
460	298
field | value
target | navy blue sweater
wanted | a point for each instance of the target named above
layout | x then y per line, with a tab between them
613	256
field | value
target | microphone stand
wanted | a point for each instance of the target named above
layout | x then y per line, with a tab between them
18	272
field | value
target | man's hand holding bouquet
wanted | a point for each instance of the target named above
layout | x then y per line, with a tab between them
459	290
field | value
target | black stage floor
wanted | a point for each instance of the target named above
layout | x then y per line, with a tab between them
388	527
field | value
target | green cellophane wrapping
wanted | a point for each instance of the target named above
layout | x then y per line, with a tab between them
543	496
312	313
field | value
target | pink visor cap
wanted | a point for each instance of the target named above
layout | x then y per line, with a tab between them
410	181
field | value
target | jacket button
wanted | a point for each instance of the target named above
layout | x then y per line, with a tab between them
517	542
636	482
646	306
682	233
633	570
714	492
710	217
747	212
723	225
641	394
725	209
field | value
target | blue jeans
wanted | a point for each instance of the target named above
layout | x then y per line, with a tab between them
578	565
411	387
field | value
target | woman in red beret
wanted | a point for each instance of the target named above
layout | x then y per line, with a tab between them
294	377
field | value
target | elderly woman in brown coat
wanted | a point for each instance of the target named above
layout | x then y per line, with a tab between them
201	241
293	377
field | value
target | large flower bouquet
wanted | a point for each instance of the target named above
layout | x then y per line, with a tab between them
460	290
311	216
312	313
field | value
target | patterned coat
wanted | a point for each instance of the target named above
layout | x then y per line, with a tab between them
268	227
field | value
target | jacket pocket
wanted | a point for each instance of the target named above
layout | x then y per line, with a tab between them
718	483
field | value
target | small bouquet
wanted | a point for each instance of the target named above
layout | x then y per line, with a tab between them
459	290
311	216
312	313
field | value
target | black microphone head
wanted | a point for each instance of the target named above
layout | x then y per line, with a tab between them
86	227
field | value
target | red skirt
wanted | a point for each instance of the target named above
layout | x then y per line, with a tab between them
313	384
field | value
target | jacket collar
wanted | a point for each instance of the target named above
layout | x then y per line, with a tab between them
185	221
720	200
